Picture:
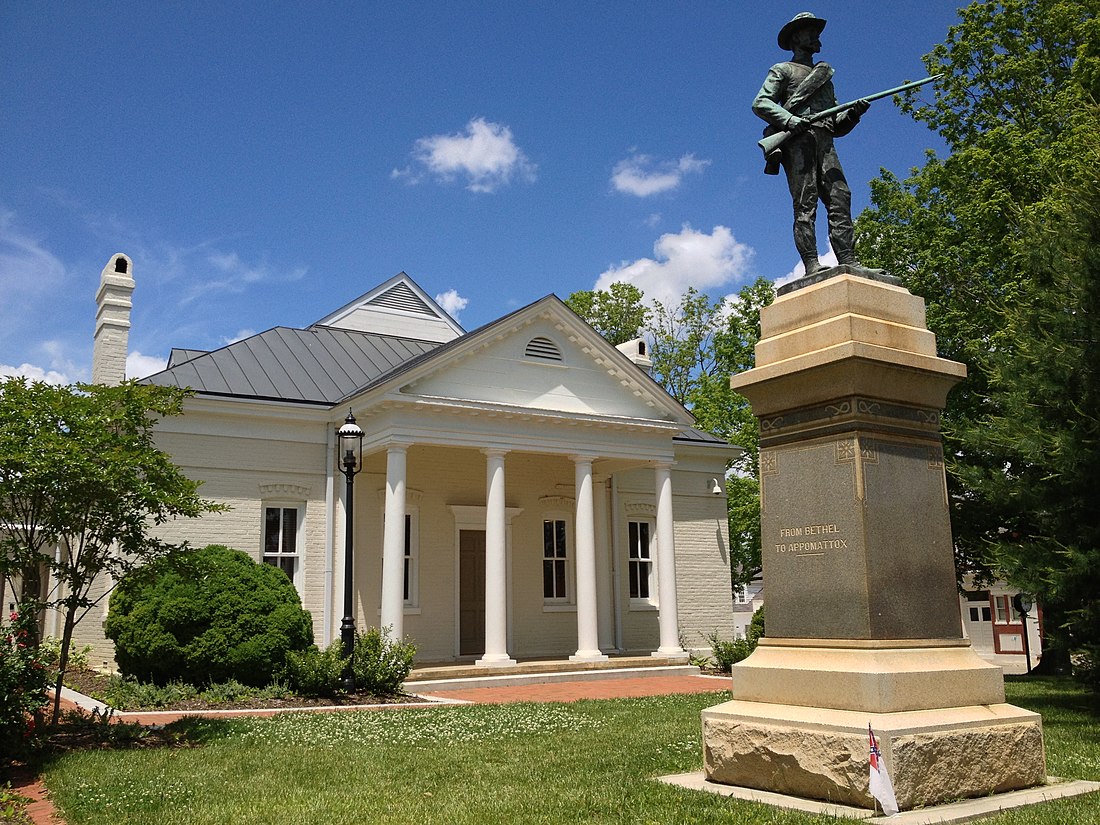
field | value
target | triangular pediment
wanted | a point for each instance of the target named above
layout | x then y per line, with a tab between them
399	308
542	359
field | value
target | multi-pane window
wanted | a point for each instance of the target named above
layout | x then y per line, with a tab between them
640	565
281	539
410	591
555	557
1003	606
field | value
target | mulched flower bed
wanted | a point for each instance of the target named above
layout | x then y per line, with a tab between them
94	684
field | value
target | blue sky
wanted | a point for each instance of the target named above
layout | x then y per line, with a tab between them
266	163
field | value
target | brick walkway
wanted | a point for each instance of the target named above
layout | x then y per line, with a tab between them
571	691
42	811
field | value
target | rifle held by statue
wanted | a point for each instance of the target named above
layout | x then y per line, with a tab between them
771	143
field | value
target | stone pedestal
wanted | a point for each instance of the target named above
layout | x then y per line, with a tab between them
863	622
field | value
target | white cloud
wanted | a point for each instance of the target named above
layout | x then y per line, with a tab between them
232	274
139	366
451	302
240	336
828	259
485	156
688	258
28	270
62	362
643	175
34	373
231	264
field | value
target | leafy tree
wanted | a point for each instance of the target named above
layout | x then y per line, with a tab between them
617	313
207	616
683	342
720	410
79	473
1017	110
697	344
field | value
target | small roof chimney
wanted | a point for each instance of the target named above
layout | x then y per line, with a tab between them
112	321
638	352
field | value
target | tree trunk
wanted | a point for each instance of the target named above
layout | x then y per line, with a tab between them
63	659
1055	660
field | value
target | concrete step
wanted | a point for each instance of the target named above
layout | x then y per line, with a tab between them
467	678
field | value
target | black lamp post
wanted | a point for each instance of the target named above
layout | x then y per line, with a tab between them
350	438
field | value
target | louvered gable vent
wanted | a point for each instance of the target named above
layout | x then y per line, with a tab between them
543	349
403	298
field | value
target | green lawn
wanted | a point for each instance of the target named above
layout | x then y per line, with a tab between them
531	763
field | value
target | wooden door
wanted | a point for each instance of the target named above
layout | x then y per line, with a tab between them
471	592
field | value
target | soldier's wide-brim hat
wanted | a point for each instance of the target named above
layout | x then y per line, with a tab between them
805	18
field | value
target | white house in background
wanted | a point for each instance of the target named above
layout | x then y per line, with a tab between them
527	490
995	627
747	599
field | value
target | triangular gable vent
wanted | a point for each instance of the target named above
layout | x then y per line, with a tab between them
401	297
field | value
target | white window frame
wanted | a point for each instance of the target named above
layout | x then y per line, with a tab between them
274	559
648	563
568	600
411	555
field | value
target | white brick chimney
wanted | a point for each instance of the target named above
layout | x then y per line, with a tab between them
637	351
112	321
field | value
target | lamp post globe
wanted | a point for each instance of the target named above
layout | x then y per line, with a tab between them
349	437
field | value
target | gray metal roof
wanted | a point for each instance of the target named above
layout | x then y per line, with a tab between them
178	355
322	365
699	437
319	365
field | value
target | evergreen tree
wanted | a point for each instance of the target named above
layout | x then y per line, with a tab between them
1043	425
999	237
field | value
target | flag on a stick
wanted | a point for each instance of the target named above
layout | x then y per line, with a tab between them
881	787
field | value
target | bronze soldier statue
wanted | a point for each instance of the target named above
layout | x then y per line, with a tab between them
792	92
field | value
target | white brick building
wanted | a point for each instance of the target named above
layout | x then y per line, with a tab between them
527	490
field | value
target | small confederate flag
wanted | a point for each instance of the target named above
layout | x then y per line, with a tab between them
881	788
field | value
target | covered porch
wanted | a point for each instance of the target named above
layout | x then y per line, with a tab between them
534	563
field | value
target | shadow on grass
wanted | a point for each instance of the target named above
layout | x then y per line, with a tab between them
80	731
1061	701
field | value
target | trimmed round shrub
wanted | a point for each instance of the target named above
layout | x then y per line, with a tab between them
206	615
313	672
381	664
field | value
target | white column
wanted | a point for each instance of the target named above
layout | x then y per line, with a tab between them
604	598
588	645
666	567
496	567
393	543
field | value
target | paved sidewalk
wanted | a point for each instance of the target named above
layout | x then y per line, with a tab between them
42	811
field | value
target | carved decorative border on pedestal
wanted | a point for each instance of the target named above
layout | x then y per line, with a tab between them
835	415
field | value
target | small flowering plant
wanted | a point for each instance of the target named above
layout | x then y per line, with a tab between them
23	682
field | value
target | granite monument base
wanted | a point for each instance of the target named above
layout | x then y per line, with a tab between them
935	756
798	723
863	625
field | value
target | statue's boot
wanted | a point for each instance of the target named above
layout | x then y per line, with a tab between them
813	266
